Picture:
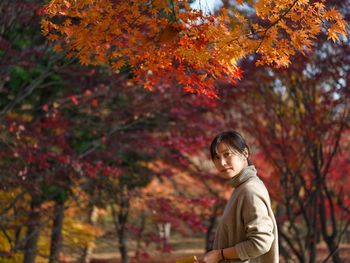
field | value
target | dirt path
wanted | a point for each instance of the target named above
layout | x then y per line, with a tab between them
172	257
185	247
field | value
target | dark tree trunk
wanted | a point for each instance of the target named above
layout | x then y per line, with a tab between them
122	243
329	238
312	239
334	251
120	221
32	235
56	234
139	235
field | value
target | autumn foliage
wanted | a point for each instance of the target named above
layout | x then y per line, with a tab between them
87	155
155	38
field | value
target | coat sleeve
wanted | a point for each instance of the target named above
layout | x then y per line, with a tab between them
258	226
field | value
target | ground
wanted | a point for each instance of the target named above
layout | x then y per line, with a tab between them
184	247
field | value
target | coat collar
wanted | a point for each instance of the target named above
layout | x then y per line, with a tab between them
244	175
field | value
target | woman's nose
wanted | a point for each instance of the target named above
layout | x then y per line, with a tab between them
222	161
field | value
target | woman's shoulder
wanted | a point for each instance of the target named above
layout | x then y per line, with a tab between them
255	186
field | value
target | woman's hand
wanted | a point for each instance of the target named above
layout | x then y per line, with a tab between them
213	256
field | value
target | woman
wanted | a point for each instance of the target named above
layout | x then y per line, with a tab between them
247	231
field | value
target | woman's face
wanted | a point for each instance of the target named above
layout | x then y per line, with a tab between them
229	162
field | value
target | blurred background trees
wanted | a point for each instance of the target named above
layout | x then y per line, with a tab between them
87	154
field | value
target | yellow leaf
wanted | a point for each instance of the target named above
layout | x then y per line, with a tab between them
332	14
262	8
319	6
27	117
335	30
56	105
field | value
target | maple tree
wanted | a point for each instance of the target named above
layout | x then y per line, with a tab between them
59	141
156	38
89	136
21	48
35	155
301	151
299	120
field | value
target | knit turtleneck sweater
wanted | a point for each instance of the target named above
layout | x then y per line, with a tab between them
248	222
244	175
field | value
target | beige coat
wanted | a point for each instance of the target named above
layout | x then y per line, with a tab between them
248	222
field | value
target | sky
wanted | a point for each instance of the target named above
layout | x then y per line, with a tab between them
206	5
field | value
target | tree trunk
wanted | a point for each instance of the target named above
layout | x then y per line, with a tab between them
88	251
334	252
32	235
139	235
312	240
56	234
120	221
329	238
122	243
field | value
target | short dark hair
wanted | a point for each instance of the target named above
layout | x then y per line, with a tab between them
232	139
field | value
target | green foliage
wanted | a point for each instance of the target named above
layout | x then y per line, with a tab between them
19	75
55	193
137	175
23	36
84	139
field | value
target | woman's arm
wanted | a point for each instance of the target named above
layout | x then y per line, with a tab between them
216	255
229	253
258	227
